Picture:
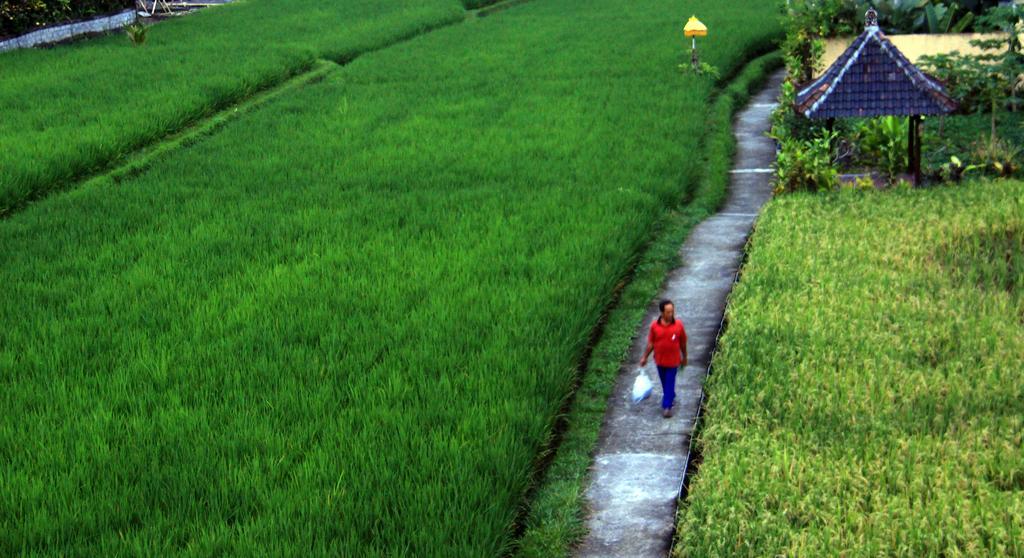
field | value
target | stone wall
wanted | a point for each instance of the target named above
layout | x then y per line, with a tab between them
63	32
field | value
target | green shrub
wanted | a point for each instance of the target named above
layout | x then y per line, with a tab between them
136	33
703	69
958	134
882	142
806	165
954	169
806	22
825	18
803	54
990	81
830	18
786	123
998	156
921	16
860	184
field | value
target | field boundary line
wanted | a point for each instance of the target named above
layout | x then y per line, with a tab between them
129	163
495	8
137	162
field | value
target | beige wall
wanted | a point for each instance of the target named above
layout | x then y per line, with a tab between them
912	46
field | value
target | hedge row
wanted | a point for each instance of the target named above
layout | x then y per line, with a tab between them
22	16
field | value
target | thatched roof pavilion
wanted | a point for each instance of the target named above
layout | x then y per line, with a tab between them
873	78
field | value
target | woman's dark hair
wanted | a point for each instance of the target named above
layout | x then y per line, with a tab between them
663	304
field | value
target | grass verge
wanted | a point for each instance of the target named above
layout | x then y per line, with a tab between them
137	162
555	521
867	399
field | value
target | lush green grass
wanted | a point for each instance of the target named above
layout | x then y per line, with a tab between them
868	397
344	323
72	110
556	519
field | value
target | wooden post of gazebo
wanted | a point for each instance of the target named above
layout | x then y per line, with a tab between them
914	148
873	78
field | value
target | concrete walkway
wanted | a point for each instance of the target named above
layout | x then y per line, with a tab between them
638	468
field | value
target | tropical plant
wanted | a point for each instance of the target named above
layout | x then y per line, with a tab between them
940	19
859	184
826	18
829	18
1000	156
786	123
920	16
1005	52
883	141
989	81
955	169
806	164
136	33
803	51
806	23
702	69
900	15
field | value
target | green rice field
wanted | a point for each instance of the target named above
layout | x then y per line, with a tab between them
868	396
72	110
344	324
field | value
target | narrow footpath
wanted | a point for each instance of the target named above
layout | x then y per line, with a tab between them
638	468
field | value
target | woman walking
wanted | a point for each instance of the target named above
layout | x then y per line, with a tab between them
668	341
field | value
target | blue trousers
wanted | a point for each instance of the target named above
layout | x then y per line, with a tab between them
668	386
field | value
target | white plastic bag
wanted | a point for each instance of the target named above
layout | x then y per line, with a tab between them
642	386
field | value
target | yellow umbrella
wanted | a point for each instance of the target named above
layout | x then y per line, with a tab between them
694	28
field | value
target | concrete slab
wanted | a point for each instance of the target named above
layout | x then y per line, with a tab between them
639	464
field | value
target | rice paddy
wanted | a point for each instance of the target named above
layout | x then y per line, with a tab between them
344	323
868	399
72	110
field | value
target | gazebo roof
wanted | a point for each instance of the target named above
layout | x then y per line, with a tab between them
873	78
